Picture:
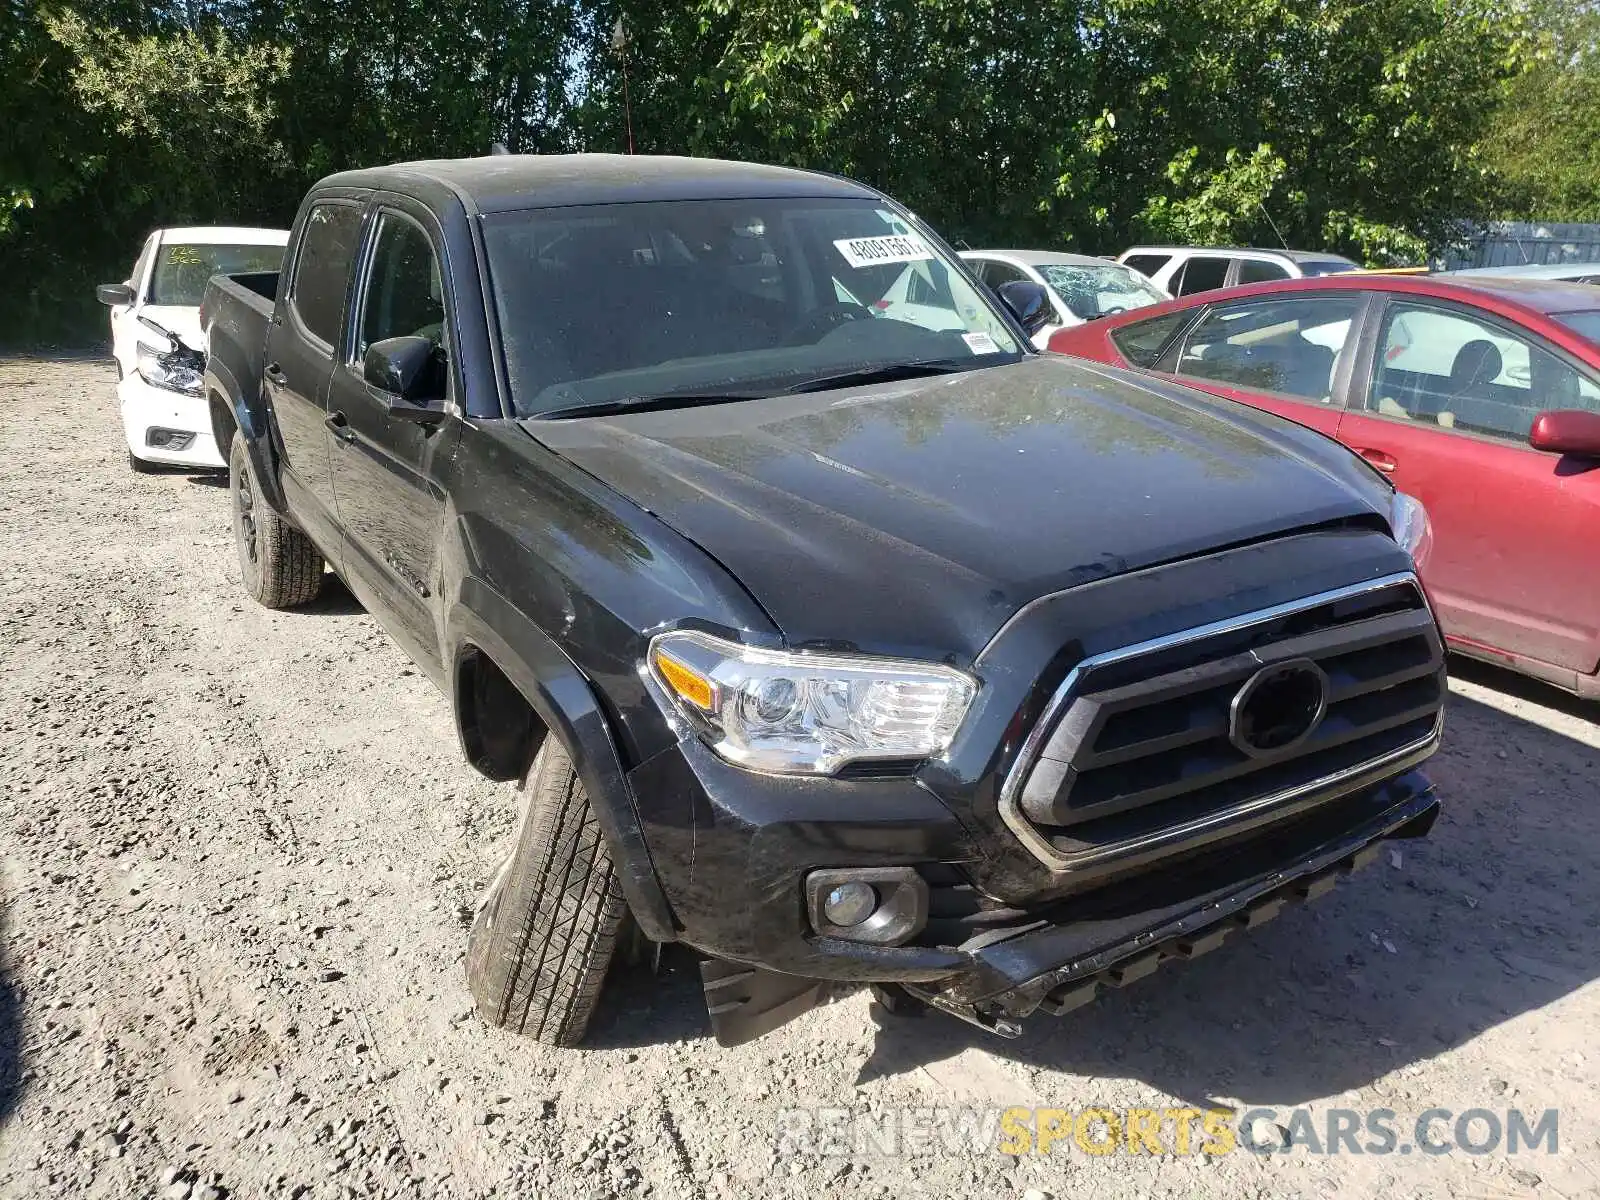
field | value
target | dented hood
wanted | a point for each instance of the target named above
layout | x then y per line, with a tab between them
916	517
183	320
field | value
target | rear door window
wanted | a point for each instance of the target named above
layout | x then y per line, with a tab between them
1258	270
1147	264
322	267
1288	347
1202	274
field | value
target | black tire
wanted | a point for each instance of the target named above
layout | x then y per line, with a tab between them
547	929
139	466
281	566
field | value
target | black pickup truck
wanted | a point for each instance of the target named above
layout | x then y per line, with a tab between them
828	628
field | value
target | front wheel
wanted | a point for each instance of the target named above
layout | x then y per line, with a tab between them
281	566
547	928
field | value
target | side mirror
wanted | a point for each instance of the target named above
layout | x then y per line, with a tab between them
410	371
1029	304
114	295
1567	431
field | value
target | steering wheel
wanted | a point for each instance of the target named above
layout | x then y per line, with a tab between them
823	321
1112	310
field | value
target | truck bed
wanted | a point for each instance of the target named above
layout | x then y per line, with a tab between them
236	313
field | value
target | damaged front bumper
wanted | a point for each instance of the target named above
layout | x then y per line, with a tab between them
167	427
1063	955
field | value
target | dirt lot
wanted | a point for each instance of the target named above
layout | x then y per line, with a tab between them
236	848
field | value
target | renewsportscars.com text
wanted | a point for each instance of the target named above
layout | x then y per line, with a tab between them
1100	1130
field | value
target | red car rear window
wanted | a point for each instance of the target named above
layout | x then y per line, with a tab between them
1142	342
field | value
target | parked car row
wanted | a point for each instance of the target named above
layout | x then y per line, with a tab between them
1463	395
833	630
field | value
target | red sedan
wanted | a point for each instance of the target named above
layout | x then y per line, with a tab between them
1478	395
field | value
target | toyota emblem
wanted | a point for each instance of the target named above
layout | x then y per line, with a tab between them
1278	707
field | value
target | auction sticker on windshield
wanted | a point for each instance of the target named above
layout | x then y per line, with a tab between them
890	248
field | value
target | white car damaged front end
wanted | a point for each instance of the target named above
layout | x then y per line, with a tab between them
164	414
158	343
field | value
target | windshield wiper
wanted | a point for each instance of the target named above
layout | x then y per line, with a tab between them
607	408
879	373
883	373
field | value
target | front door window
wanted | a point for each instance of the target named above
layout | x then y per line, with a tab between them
1459	372
404	296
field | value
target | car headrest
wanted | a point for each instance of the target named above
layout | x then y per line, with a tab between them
1476	362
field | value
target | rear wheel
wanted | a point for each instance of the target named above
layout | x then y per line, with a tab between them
548	926
280	565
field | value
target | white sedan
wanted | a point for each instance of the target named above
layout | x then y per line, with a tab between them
1081	288
157	341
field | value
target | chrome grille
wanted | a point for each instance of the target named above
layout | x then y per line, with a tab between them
1140	752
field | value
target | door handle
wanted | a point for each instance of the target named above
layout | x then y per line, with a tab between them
340	425
275	375
1381	459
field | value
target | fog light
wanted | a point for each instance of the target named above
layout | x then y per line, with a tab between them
167	439
883	906
850	904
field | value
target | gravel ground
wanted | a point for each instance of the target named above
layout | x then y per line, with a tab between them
237	847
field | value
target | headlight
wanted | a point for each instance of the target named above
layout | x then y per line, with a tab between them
1409	523
164	369
808	714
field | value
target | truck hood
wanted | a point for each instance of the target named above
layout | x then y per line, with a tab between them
915	518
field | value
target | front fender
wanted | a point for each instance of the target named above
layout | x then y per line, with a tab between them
564	700
230	412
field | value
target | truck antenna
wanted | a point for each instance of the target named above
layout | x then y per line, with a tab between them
620	40
1273	223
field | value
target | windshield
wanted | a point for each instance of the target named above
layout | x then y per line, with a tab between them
1330	266
1090	292
609	303
1586	323
182	268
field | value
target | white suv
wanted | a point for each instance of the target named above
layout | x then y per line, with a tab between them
1184	270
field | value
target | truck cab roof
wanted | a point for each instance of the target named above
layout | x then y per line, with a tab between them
507	182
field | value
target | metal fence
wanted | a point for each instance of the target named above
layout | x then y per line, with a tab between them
1523	243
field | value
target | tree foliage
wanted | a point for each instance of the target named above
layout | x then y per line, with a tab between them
1086	124
1545	144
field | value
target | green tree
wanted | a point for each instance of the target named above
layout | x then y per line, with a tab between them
1370	126
1545	144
